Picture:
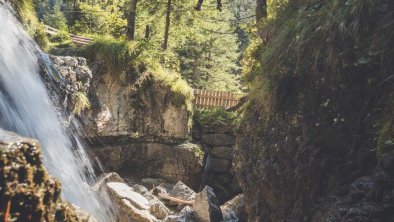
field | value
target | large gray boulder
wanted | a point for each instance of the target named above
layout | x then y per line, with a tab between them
182	191
206	206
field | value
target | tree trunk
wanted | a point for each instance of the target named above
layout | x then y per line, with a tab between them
167	29
147	32
131	20
261	9
261	12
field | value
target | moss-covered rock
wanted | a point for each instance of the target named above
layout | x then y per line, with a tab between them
319	112
27	191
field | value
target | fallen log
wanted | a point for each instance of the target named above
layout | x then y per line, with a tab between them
176	200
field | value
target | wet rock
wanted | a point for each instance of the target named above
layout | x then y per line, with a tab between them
182	191
83	215
70	61
57	61
223	152
218	139
234	209
206	206
26	185
83	73
107	178
81	61
186	214
64	71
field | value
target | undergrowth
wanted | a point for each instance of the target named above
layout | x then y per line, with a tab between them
322	39
27	15
214	117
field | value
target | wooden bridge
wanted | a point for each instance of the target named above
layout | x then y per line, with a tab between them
210	99
76	39
202	98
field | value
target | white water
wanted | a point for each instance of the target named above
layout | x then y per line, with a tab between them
26	108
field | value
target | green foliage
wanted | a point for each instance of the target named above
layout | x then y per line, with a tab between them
214	117
61	36
80	103
49	13
98	19
320	38
27	16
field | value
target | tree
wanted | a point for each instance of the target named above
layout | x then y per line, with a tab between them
167	26
131	20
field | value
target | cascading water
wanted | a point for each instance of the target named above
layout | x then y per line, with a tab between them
26	108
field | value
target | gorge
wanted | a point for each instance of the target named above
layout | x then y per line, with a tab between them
109	130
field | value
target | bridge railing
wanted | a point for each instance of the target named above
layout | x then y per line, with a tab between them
78	40
211	98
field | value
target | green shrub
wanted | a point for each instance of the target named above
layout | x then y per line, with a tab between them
80	103
214	117
61	36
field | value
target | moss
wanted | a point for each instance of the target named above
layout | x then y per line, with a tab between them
27	192
80	103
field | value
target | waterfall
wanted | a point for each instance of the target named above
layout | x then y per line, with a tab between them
26	108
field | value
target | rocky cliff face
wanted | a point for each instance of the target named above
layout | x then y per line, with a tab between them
315	143
139	108
27	191
139	127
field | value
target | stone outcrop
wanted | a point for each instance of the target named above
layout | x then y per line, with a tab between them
136	125
218	143
27	191
126	107
206	206
234	209
171	162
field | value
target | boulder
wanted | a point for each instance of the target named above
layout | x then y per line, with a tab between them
234	209
123	191
186	214
107	178
133	213
131	205
206	206
158	209
26	185
182	191
140	189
